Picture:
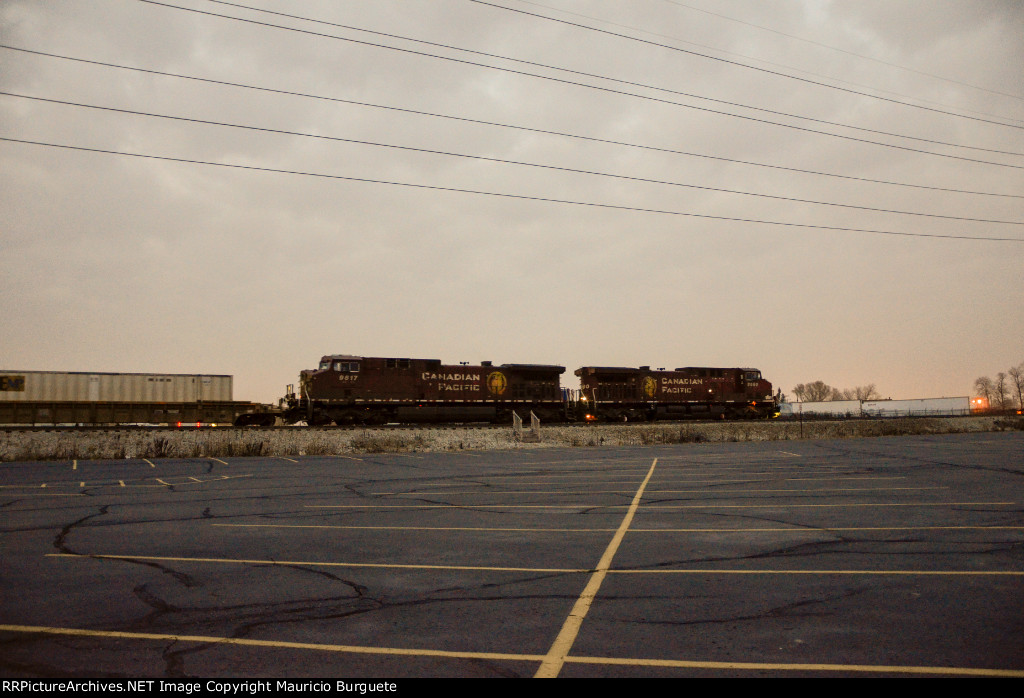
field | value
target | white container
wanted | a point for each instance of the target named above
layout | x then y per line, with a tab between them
936	406
833	408
58	386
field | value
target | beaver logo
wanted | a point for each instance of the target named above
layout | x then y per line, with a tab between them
650	386
496	382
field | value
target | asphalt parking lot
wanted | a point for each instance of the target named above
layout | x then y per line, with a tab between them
862	557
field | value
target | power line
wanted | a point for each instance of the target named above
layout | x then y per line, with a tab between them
834	48
763	61
619	92
726	60
509	126
510	196
508	162
626	82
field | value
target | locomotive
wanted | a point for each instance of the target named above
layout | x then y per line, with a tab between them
640	394
348	389
367	390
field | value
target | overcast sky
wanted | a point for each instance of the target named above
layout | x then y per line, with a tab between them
656	203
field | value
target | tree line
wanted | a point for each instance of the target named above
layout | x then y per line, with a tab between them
1006	391
819	391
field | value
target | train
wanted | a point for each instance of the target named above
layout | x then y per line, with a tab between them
360	390
346	389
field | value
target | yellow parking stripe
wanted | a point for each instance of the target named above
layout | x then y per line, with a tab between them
937	573
555	659
573	505
766	529
509	657
224	560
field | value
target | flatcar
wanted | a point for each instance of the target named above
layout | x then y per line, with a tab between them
640	394
348	389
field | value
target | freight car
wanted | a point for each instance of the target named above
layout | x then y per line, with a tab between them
348	389
640	394
61	397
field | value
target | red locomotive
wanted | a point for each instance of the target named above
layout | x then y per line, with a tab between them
640	394
365	390
369	390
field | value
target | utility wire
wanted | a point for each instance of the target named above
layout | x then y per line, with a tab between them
528	129
763	61
726	60
608	89
831	48
506	162
628	82
505	195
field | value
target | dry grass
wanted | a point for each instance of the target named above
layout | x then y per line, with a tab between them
93	445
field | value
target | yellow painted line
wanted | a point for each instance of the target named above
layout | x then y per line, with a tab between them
808	506
555	659
473	568
47	494
464	506
422	528
288	459
361	460
667	475
74	465
150	462
205	639
122	483
852	477
805	529
195	479
165	484
509	657
646	506
938	573
841	668
790	453
487	491
773	529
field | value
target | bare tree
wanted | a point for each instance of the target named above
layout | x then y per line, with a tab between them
984	387
1000	391
1017	378
866	392
818	391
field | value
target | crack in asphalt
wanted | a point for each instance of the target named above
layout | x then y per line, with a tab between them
849	451
784	611
59	542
